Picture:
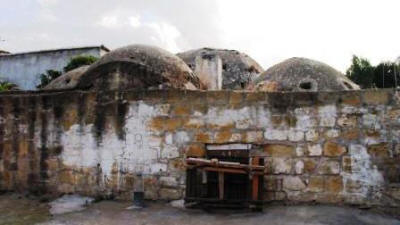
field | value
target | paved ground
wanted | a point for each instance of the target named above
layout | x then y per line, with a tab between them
23	211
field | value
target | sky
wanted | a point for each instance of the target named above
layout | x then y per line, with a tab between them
269	31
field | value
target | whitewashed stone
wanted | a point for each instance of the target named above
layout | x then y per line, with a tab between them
281	165
278	135
312	135
314	150
169	152
295	135
169	182
299	167
332	133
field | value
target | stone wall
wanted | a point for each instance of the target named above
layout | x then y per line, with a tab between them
327	147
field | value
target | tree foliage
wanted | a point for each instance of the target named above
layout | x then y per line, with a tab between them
46	78
74	63
7	86
384	75
79	61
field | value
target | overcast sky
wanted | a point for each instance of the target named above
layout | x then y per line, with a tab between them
269	31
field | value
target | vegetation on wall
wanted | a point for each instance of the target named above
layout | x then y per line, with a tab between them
7	86
74	63
384	75
79	61
46	78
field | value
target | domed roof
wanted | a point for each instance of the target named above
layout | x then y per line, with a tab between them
238	68
301	74
141	67
68	80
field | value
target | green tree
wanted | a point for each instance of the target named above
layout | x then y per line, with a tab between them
46	78
7	86
361	72
79	61
386	75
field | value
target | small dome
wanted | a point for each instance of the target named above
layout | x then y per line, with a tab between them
301	74
141	67
238	69
68	80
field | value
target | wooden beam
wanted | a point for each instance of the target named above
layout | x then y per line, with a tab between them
221	185
256	179
216	163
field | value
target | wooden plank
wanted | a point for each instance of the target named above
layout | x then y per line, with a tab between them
216	169
221	185
217	163
255	161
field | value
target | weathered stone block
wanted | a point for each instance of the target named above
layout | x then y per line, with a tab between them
333	184
347	121
195	150
202	137
381	150
193	123
170	194
350	135
373	97
293	183
314	150
299	167
277	135
253	136
169	152
172	124
67	177
310	165
312	135
181	110
316	184
332	149
331	133
346	164
168	182
329	166
281	165
223	136
350	98
295	135
272	183
279	150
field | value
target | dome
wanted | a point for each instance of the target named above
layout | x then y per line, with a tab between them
238	69
301	74
68	80
141	67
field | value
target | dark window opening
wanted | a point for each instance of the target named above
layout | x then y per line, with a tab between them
306	85
348	85
224	66
242	85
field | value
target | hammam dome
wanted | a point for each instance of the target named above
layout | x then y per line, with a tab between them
238	69
138	67
301	74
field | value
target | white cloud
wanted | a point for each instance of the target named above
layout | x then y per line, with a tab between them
269	31
109	22
134	21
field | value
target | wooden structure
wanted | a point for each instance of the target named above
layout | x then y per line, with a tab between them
236	183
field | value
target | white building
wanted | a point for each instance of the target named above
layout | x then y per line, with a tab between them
24	69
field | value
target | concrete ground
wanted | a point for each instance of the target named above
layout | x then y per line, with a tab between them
15	210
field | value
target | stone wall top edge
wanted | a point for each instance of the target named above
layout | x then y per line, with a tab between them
296	98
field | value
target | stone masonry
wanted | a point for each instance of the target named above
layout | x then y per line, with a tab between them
326	147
